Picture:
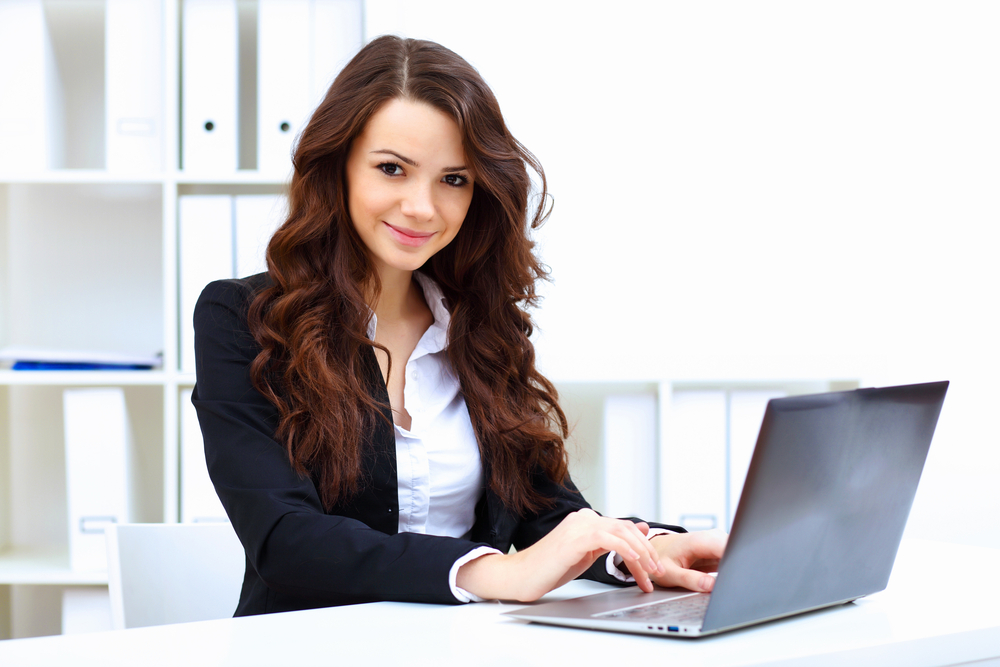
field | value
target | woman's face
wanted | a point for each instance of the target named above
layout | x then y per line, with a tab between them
408	184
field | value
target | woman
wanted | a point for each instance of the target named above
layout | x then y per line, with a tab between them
379	433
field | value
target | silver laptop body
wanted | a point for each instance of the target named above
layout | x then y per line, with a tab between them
822	513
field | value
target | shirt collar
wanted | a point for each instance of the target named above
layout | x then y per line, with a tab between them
436	338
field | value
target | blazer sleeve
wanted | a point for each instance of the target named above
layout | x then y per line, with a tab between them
295	548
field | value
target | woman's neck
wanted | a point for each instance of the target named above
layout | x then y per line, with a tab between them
398	296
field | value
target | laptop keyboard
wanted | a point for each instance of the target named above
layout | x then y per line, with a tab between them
679	611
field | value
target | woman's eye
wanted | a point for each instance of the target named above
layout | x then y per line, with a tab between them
391	169
456	180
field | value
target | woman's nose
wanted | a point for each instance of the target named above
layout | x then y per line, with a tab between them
418	202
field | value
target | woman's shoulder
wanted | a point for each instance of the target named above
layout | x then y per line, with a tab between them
229	300
236	291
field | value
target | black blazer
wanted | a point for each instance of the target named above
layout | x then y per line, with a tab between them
298	555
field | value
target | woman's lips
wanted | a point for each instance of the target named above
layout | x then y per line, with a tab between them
409	237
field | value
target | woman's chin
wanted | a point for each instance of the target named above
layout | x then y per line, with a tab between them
402	263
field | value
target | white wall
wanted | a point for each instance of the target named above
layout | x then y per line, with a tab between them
761	190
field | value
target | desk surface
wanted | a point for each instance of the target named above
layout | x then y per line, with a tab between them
894	627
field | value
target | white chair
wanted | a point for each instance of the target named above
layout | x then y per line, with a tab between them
173	573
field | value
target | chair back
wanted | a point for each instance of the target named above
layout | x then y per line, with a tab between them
173	573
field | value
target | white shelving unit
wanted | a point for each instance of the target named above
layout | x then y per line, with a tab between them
88	260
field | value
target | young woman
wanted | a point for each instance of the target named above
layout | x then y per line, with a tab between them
374	423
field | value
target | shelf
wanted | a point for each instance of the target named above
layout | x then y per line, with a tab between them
82	378
44	566
236	178
77	176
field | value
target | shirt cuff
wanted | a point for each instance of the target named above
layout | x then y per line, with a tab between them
461	594
614	560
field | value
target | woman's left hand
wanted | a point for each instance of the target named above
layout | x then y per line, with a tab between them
686	557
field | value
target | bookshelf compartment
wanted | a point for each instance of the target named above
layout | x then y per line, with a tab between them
83	267
33	463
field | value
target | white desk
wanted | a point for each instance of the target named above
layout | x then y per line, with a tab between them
894	627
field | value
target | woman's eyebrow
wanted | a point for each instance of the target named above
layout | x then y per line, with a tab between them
412	163
407	160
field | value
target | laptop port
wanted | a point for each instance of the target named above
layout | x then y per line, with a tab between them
672	628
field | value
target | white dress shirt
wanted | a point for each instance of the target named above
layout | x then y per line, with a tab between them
437	459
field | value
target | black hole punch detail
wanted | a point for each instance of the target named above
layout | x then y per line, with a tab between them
209	125
285	127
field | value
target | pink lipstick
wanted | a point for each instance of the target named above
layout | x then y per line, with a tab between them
409	237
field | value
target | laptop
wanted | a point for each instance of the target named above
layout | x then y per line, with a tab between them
820	519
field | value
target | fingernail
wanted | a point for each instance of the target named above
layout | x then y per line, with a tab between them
660	569
633	555
706	583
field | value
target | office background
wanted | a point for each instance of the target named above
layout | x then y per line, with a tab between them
764	194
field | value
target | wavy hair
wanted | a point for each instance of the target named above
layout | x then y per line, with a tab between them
311	321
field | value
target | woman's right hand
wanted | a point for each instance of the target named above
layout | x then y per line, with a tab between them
561	556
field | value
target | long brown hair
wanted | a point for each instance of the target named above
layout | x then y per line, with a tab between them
311	322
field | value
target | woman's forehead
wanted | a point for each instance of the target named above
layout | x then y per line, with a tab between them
415	130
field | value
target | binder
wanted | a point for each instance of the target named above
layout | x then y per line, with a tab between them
28	79
336	38
199	502
205	253
283	85
302	45
630	455
44	357
256	219
209	121
134	85
693	459
98	443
